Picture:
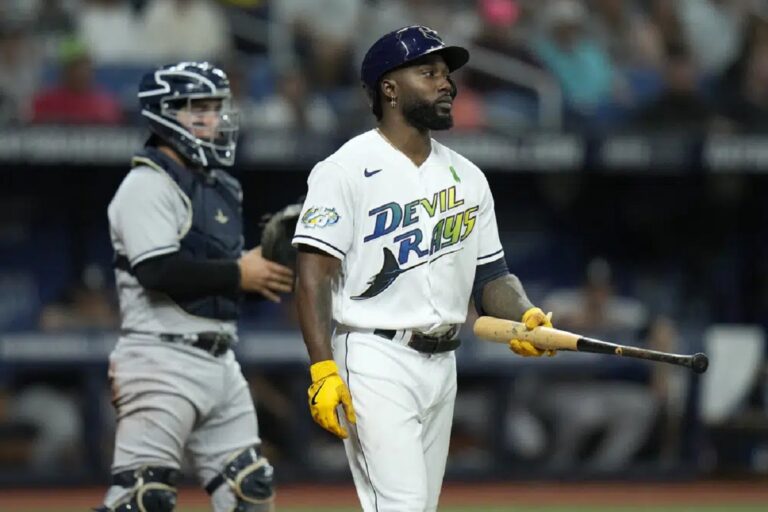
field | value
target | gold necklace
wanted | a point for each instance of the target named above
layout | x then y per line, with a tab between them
400	150
386	139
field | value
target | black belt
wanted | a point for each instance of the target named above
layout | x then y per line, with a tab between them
215	343
425	344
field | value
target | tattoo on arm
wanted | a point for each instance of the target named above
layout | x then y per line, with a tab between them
317	273
505	297
322	304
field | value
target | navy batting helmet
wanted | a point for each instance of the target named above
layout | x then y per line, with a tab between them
167	95
403	46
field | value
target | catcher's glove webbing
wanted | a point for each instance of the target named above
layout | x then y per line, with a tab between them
277	232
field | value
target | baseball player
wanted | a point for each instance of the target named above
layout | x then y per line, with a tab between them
176	228
397	233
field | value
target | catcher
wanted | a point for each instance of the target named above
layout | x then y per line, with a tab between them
180	268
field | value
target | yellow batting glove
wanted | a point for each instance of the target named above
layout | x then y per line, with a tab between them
532	318
325	394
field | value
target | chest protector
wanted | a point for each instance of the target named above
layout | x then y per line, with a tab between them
215	198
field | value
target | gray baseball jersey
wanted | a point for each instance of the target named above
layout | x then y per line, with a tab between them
148	217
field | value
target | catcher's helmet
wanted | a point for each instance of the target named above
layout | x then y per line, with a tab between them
165	92
405	45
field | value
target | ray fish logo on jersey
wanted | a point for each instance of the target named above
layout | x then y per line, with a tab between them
320	217
448	232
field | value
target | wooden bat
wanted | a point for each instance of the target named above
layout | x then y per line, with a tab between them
501	331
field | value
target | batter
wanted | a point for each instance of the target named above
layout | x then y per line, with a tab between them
398	232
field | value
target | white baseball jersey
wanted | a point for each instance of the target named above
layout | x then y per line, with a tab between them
409	237
148	217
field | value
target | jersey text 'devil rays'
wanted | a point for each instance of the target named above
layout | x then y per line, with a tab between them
392	218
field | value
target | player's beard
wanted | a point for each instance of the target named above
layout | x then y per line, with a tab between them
424	115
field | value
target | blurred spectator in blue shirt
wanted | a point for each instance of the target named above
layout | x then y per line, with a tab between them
573	54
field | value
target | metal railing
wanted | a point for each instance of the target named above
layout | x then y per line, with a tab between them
276	37
522	74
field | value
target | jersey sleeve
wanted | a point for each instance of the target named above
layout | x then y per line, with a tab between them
326	219
148	215
489	248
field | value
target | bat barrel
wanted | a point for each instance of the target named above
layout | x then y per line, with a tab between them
697	362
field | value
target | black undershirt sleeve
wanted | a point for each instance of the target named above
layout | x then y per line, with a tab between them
179	275
484	274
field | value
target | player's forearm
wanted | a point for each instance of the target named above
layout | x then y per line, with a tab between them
316	274
505	297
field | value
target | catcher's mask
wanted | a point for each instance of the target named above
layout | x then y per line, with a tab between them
189	106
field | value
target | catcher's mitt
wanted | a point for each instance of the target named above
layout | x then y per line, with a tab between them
277	232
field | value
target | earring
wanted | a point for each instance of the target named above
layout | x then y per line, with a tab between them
393	102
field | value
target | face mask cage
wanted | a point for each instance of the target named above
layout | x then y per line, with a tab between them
208	124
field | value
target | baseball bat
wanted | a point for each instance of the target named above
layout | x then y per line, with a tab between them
501	331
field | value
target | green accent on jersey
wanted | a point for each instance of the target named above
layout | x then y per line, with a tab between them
455	175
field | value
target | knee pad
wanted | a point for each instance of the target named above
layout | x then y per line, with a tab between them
153	489
250	477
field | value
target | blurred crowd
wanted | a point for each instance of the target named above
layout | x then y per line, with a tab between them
597	64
